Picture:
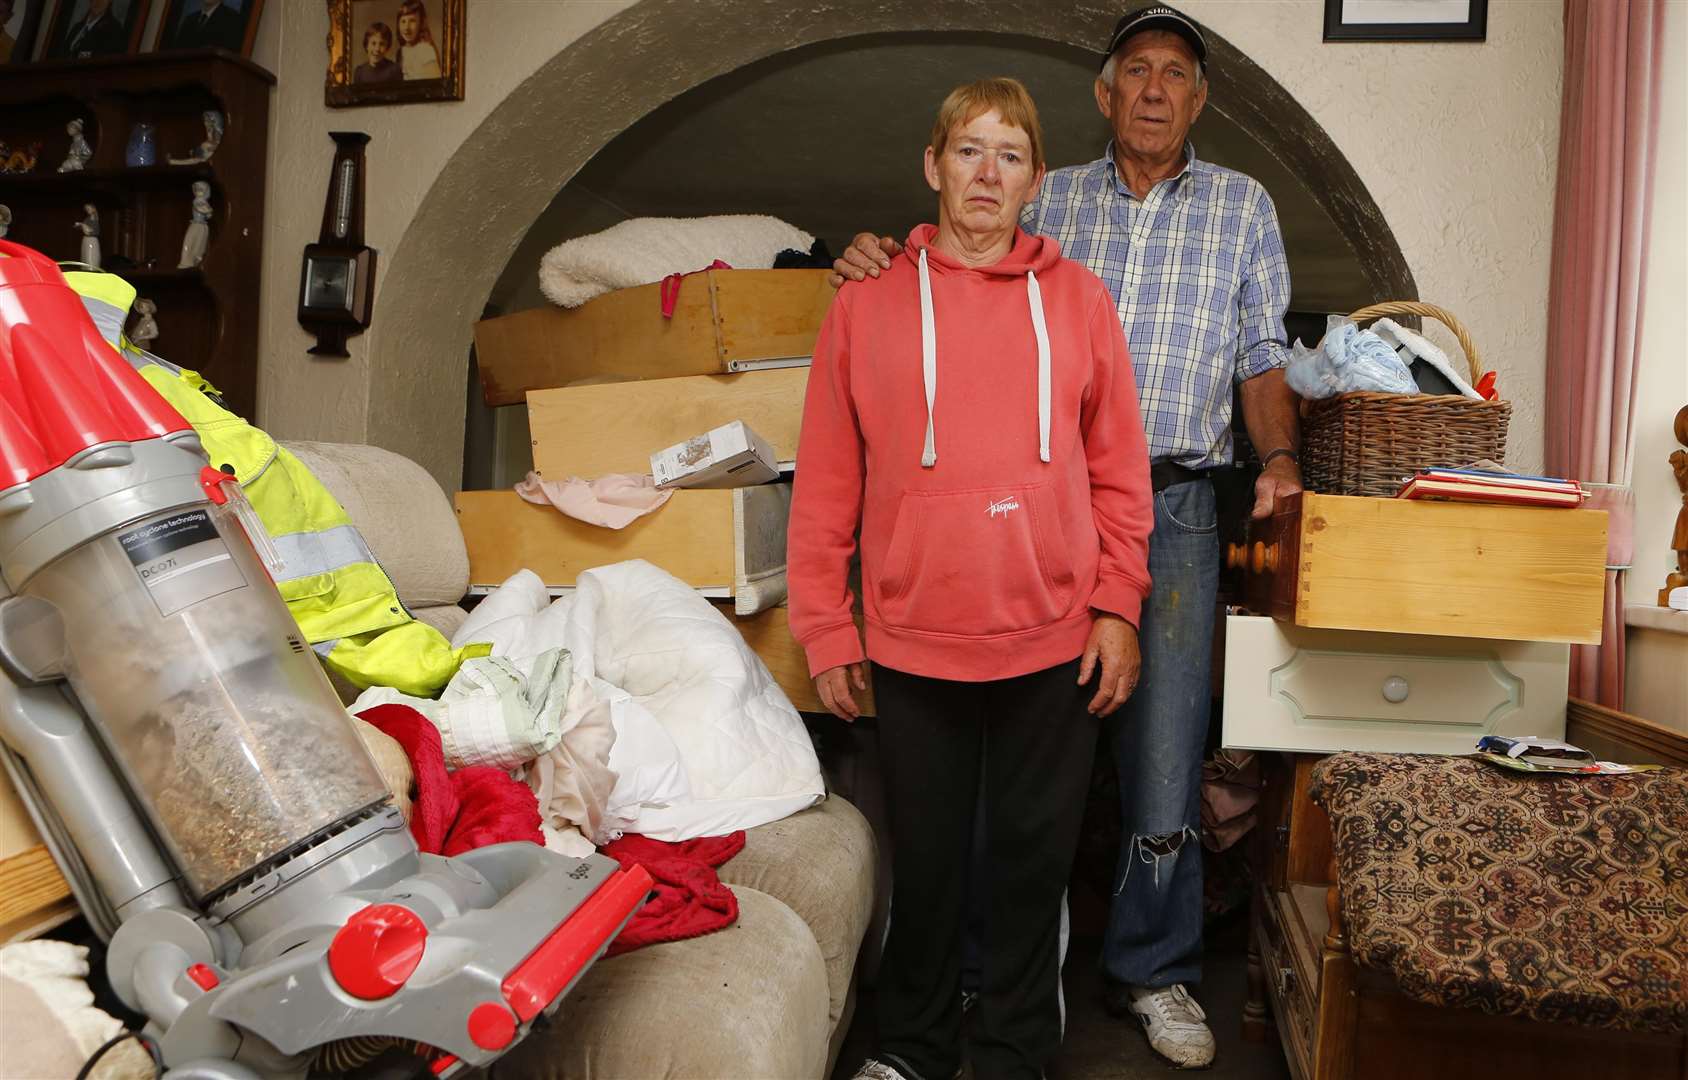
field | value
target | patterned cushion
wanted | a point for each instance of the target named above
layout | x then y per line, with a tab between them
1553	898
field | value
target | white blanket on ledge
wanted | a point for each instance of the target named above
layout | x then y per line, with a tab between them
645	250
705	741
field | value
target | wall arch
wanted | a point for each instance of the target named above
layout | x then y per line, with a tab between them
508	169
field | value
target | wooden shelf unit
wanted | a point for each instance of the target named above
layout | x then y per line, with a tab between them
208	316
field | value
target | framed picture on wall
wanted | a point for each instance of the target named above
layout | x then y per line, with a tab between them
208	24
19	22
80	29
392	52
1406	20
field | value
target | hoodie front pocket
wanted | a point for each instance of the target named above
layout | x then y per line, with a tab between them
977	562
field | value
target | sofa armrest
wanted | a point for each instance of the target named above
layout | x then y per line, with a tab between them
403	516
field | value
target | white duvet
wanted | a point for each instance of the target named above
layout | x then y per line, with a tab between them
705	741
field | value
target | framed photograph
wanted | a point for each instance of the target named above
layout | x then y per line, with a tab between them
19	21
83	28
1406	20
391	52
209	24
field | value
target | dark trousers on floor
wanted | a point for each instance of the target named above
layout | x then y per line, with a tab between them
1030	741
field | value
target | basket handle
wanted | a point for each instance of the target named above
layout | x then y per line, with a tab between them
1442	315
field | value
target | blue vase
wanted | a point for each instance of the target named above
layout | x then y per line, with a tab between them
143	146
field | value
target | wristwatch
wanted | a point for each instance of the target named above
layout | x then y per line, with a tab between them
1282	451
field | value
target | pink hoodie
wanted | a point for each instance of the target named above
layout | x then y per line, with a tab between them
981	427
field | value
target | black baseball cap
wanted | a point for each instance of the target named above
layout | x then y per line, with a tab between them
1158	17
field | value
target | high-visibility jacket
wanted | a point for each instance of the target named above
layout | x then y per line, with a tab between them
345	604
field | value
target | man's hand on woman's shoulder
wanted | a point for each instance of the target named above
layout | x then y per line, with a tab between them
865	257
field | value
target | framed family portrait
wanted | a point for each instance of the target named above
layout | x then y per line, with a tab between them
80	29
209	24
20	21
391	52
1406	20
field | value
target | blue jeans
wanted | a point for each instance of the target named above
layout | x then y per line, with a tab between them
1154	933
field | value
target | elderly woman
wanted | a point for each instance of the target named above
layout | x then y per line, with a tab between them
971	412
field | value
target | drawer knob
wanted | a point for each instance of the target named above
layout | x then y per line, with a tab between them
1265	557
1236	557
1395	689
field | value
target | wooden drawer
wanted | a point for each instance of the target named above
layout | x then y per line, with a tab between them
615	427
1450	569
723	320
727	539
1289	979
769	634
1292	688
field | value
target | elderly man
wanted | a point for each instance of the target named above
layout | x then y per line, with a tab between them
1193	258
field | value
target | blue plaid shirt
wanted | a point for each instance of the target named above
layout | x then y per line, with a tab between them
1199	279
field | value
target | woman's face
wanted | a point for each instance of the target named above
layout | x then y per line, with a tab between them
409	26
984	176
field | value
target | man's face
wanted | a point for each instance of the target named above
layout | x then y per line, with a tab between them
1155	96
6	7
97	8
985	174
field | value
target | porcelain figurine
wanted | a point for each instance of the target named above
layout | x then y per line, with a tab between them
89	227
213	139
80	151
145	330
199	229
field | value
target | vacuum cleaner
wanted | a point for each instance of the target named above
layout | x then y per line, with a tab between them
195	776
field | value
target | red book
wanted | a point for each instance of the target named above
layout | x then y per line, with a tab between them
1429	487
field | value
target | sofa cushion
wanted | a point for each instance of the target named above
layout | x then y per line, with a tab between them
446	618
749	1001
402	513
820	863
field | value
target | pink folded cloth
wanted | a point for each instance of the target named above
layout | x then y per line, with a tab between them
614	501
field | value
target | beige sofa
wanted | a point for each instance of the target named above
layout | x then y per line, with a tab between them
769	997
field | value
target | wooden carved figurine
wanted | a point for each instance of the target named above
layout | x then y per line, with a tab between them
1679	537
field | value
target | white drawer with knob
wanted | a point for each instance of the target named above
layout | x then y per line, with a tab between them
1297	688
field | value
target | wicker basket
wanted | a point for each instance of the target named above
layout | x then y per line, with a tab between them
1364	443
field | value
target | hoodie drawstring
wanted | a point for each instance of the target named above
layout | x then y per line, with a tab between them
929	362
1034	296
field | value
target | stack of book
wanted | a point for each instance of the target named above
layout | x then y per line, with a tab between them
1473	485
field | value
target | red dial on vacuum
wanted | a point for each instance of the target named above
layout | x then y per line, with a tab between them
376	952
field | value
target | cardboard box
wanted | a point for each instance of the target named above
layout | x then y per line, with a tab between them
729	456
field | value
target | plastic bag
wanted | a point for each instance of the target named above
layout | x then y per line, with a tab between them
1347	359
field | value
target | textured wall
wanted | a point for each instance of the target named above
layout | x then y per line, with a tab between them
1455	143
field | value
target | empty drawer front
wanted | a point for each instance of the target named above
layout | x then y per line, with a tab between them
1293	688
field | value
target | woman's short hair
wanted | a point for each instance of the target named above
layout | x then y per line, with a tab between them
1008	97
378	29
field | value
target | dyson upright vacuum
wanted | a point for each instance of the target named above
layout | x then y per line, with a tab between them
195	775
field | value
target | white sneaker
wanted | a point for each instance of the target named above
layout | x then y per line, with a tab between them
1175	1025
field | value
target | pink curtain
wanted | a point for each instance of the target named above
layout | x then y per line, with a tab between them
1607	135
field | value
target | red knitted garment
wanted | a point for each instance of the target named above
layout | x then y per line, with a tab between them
689	899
